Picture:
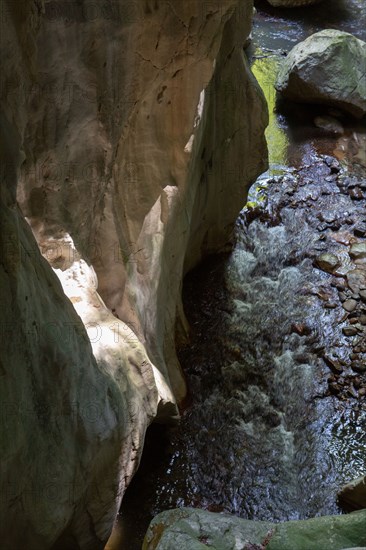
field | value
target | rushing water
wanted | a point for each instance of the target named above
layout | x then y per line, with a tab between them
262	436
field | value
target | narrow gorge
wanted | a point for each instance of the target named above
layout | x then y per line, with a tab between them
182	275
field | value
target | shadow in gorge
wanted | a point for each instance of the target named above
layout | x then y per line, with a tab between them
164	479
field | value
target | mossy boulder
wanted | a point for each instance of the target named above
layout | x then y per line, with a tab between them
193	529
328	67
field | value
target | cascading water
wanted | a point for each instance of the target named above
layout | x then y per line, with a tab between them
277	416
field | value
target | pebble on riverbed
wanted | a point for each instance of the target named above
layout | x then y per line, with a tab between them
328	262
350	305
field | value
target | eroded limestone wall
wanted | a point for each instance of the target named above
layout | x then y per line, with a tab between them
130	132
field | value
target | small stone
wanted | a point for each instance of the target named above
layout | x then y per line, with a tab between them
359	367
352	392
333	364
362	294
349	305
356	279
356	194
362	319
340	285
353	356
300	328
353	320
358	251
328	262
342	296
349	331
360	230
362	392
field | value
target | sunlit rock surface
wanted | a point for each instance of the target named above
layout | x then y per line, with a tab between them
328	67
130	133
194	529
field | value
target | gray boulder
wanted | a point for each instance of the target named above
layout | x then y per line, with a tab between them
193	529
328	67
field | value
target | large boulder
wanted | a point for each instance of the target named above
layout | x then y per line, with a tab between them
328	67
193	529
353	495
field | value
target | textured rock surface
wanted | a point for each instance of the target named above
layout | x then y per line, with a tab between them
328	67
194	529
130	134
72	422
353	495
124	155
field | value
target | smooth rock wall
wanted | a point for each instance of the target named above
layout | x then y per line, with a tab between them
120	155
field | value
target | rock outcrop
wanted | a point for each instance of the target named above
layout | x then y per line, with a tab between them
193	529
130	133
353	495
328	67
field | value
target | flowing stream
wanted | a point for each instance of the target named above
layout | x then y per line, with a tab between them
271	429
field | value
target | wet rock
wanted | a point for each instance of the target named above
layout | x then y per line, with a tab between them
350	305
335	388
328	262
334	365
352	392
330	124
353	495
362	294
300	328
317	70
362	319
359	367
349	331
360	230
332	162
358	251
356	194
356	280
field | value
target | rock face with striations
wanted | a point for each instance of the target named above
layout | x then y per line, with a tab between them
131	131
328	67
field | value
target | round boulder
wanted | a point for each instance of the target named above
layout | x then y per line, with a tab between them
328	68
